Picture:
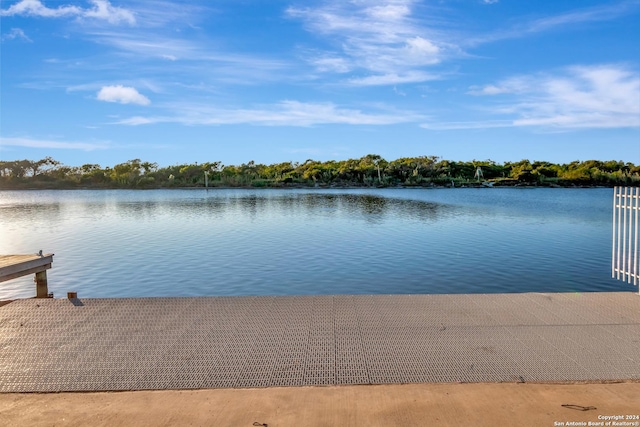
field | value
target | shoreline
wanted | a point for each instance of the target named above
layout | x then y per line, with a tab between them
319	187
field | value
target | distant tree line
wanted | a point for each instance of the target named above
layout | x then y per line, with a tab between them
368	171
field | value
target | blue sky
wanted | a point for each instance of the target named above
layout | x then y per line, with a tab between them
238	80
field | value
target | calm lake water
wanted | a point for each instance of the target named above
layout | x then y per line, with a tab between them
122	243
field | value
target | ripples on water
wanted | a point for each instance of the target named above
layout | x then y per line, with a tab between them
117	243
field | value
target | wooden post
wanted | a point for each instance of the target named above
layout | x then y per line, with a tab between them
41	284
14	266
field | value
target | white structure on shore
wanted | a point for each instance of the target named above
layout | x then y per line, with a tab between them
479	174
624	259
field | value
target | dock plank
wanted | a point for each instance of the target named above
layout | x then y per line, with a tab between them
12	266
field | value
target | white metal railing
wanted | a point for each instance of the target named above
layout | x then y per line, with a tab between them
624	259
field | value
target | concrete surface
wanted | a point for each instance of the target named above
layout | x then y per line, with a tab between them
519	405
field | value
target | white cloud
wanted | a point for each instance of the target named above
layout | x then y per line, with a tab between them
389	11
122	94
44	143
36	8
418	47
114	15
16	33
284	113
490	1
580	97
102	10
383	39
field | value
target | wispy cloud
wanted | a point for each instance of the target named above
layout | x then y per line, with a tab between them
148	44
192	57
170	14
284	113
165	45
393	78
579	97
45	143
590	97
123	95
605	12
486	124
325	62
101	10
512	85
394	44
16	33
382	39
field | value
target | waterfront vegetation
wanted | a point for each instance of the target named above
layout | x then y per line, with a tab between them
368	171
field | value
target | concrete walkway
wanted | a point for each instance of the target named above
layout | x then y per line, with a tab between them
402	405
234	342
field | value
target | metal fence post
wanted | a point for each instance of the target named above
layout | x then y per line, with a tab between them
624	249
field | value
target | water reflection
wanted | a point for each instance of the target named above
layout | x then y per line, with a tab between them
365	207
358	206
37	212
173	208
137	210
250	205
279	242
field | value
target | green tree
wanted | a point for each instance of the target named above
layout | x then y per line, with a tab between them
523	171
127	173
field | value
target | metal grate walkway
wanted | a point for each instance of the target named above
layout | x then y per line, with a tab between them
212	342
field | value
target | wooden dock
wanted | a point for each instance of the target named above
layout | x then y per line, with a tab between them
14	266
